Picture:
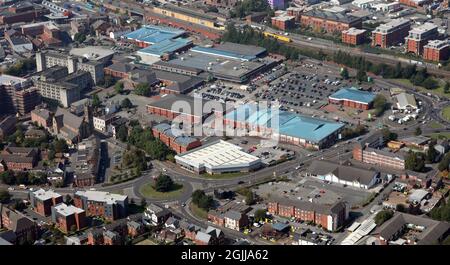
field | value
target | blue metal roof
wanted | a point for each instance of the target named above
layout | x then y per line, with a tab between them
280	226
222	53
166	46
166	129
354	94
285	123
154	34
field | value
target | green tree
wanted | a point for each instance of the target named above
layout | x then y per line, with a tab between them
118	87
143	89
383	216
415	161
60	146
361	75
344	74
250	198
418	131
79	37
388	135
164	183
430	83
96	101
8	177
447	87
202	200
4	196
126	103
260	214
431	154
443	165
379	104
122	133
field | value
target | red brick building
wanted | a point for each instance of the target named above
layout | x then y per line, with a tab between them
216	218
283	22
415	3
179	144
295	12
42	201
329	22
391	33
154	18
21	12
184	108
119	70
68	218
418	37
7	126
436	50
330	217
95	237
18	158
135	229
23	227
353	36
42	117
352	97
378	157
104	204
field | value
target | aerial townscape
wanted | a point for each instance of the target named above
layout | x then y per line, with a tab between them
224	122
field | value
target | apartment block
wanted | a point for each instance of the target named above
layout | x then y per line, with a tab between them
382	158
391	33
57	84
43	200
283	22
419	36
330	217
328	21
17	95
68	218
353	36
104	204
436	50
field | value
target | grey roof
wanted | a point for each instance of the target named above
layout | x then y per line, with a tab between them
433	230
143	76
332	209
121	67
67	118
172	221
345	172
405	100
332	16
43	113
168	101
250	50
176	66
418	140
134	224
203	237
234	215
215	232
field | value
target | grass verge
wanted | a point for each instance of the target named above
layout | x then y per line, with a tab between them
198	212
148	191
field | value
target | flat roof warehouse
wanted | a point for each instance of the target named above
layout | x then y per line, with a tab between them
218	157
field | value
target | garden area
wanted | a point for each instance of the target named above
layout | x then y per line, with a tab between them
163	187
